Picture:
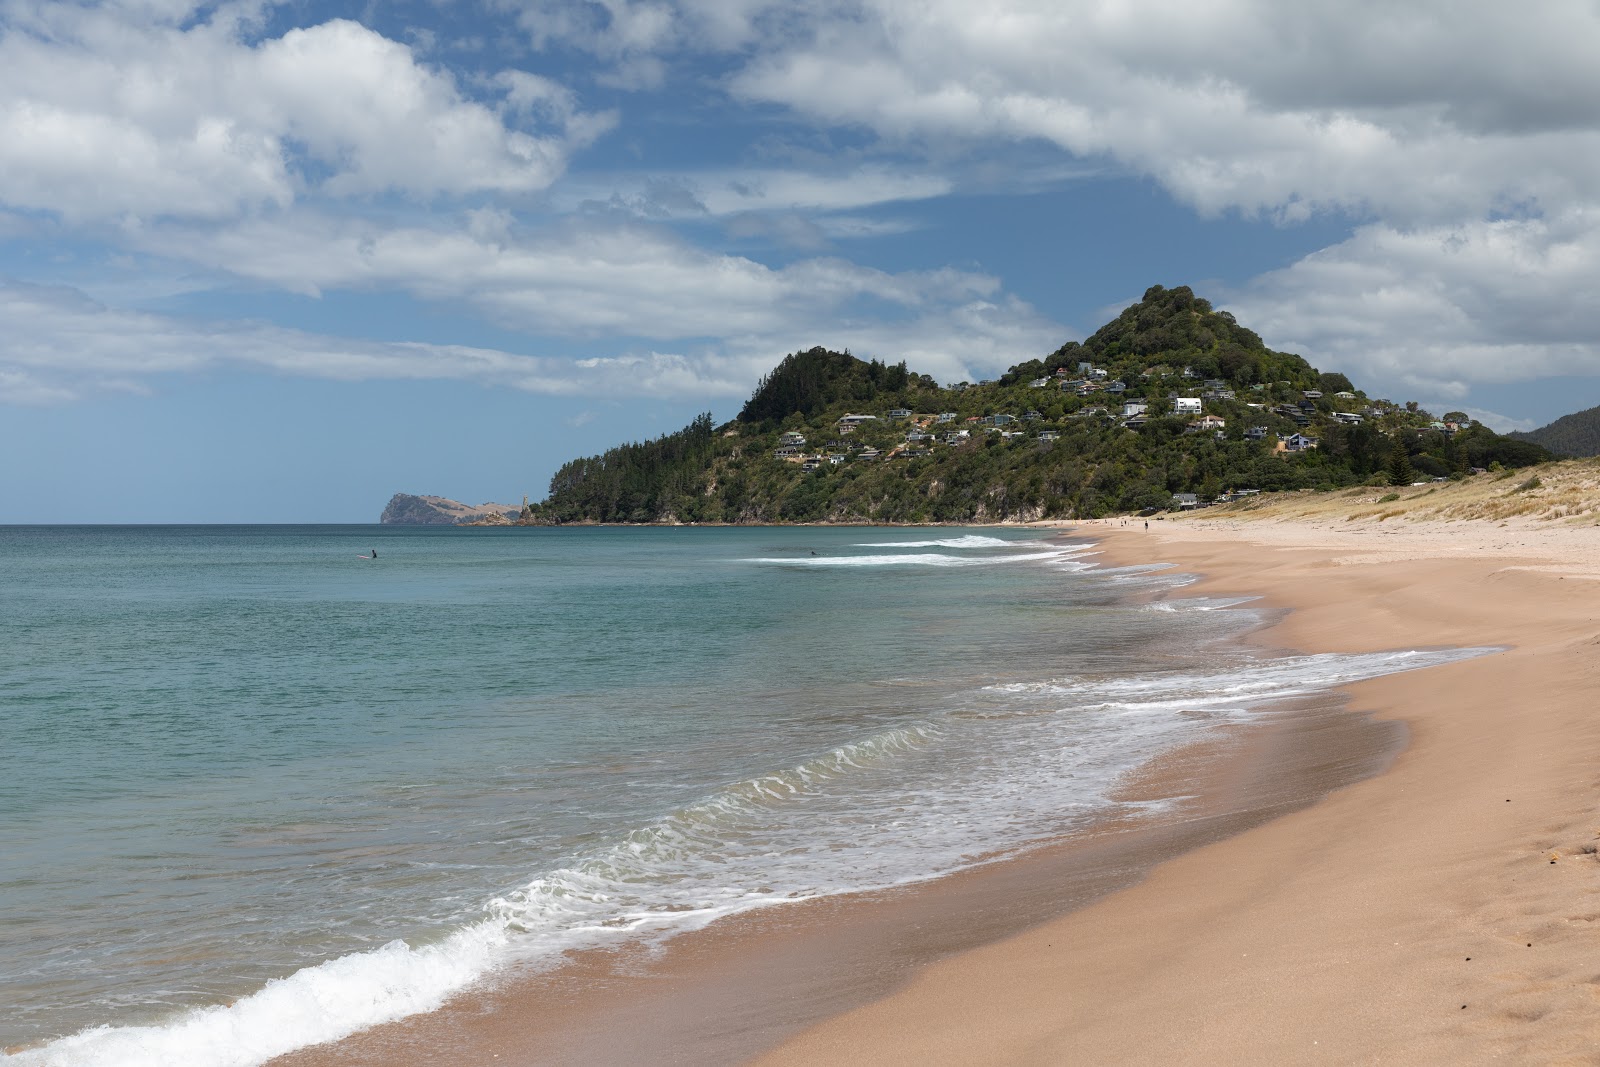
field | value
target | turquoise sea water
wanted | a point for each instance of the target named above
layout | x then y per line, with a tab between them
261	792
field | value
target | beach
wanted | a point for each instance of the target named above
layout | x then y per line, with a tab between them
1177	793
1405	877
1441	912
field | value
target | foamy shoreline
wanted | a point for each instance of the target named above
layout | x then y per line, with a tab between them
700	1000
1438	913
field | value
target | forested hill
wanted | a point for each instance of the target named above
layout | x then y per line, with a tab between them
1577	434
1169	399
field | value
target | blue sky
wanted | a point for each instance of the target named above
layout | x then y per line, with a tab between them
276	261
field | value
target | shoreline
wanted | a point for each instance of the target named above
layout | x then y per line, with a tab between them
1439	912
741	986
746	983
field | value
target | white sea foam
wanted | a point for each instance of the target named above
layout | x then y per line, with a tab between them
911	559
315	1004
1199	603
1000	768
966	541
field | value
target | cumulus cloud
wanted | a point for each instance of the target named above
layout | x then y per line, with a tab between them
115	110
1413	110
1440	308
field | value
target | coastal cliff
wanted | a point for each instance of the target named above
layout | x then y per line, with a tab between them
406	509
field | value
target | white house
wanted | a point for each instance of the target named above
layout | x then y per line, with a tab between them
1131	408
1186	405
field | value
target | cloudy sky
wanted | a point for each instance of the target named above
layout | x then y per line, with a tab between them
276	261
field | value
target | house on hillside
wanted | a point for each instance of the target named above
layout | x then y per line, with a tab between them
1206	424
1296	442
1039	383
945	416
1048	435
899	413
1131	408
1185	501
792	437
1186	405
1256	433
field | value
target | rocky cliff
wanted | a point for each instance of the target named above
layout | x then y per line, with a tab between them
404	509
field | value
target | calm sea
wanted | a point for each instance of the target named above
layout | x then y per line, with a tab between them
260	792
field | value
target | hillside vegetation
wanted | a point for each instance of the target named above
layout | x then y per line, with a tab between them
1057	437
1577	434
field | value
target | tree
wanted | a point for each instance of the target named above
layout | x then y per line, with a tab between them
1400	469
1334	382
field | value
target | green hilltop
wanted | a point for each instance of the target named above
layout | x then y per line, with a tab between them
1577	434
827	437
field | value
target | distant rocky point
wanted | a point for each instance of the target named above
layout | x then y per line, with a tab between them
404	509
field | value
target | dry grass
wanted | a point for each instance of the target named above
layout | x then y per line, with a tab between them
1565	492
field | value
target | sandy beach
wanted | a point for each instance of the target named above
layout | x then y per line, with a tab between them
1442	912
1304	908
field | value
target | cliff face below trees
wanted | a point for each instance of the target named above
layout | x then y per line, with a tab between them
404	509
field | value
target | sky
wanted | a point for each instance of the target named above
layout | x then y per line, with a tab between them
274	262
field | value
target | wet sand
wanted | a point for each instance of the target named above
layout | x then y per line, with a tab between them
1444	912
983	967
727	993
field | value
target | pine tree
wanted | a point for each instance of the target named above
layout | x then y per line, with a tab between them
1400	470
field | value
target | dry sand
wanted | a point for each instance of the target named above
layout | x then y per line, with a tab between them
1445	912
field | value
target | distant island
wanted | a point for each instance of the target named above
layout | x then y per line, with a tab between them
1170	405
404	509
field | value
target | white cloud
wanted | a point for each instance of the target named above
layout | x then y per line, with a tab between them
1439	309
1414	110
721	193
603	279
113	111
61	345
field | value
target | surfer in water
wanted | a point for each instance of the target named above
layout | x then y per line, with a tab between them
374	553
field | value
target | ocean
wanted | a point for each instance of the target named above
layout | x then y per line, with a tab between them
262	793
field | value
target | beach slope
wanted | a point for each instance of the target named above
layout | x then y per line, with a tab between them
1443	912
